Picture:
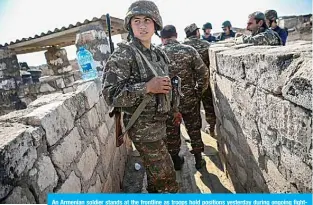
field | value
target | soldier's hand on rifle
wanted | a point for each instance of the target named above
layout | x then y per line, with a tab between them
159	85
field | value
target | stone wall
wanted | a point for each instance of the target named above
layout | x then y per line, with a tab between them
60	143
46	71
49	84
263	102
9	80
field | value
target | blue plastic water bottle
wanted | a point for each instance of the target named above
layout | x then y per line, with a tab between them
86	64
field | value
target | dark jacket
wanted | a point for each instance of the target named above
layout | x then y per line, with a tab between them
282	34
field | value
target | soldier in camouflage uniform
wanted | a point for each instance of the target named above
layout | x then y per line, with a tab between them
135	70
202	46
188	65
260	33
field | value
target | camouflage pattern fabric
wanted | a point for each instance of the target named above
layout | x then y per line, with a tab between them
159	167
188	65
267	37
201	46
124	86
203	49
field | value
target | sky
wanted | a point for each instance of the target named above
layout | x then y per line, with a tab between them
24	18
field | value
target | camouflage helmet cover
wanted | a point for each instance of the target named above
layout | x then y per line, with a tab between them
226	24
145	8
207	25
257	15
191	28
271	15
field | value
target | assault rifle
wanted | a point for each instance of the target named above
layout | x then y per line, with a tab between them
116	111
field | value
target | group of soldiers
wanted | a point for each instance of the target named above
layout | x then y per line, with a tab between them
159	87
265	30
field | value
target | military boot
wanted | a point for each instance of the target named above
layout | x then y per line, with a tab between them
178	162
199	161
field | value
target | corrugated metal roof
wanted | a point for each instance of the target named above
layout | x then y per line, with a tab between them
116	26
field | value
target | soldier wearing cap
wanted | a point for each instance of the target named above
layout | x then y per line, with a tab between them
188	65
135	71
271	21
207	27
227	31
202	46
260	34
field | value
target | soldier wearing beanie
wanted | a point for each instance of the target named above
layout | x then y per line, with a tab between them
135	72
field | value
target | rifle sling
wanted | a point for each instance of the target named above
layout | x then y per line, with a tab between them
137	112
146	99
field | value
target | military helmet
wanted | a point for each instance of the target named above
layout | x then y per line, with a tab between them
257	15
207	25
271	15
226	24
191	28
145	8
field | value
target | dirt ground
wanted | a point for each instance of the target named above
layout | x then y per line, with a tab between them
210	179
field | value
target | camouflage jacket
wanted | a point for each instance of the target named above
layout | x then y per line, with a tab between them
186	63
201	46
124	86
267	37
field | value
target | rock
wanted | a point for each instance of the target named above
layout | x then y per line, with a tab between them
301	174
299	88
45	88
71	185
65	153
91	93
103	133
55	118
87	163
97	187
20	195
46	179
60	83
17	151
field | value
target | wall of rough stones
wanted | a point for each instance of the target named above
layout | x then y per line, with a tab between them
263	102
13	92
60	143
49	84
9	80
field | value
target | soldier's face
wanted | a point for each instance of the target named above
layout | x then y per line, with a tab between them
198	34
226	30
143	27
268	23
207	31
252	25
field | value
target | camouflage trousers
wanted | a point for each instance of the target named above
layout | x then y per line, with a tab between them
159	167
190	111
207	100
